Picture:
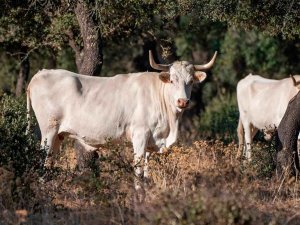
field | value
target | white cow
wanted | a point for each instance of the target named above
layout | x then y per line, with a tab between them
262	103
144	107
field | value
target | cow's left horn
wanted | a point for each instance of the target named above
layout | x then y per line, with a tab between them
207	65
296	84
156	66
294	81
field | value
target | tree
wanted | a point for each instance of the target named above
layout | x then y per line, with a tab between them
23	29
272	17
86	40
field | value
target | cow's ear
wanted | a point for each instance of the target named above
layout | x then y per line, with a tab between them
164	77
199	76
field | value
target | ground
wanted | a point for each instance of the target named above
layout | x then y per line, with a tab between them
202	183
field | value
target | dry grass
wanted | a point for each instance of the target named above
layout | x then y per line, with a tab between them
198	184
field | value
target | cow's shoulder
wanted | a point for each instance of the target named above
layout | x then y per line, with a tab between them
257	81
142	78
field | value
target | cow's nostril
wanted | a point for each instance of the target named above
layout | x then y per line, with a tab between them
182	102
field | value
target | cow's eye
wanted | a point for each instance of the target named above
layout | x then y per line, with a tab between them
171	82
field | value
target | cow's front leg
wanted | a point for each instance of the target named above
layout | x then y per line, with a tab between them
146	171
248	141
139	142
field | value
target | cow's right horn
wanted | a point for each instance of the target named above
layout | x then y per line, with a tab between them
156	66
207	65
294	81
296	84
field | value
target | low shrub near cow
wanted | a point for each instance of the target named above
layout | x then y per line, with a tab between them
220	118
198	208
20	158
200	183
264	160
18	151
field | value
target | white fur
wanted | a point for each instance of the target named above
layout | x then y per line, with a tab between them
262	103
91	109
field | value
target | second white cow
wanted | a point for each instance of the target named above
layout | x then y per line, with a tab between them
262	103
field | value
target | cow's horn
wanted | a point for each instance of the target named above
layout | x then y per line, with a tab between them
294	81
207	65
156	66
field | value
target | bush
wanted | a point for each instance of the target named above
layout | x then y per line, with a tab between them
18	151
220	119
263	163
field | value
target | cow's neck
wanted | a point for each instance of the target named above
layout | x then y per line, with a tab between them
173	115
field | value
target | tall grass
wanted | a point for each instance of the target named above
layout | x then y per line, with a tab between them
201	183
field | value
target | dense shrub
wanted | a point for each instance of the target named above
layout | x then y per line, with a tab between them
18	151
220	119
263	161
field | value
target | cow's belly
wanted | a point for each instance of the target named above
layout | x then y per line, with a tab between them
96	137
93	134
94	125
264	122
95	128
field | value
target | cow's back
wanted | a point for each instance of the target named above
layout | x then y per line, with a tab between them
262	102
92	108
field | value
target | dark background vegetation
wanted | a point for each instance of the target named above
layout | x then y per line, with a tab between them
104	38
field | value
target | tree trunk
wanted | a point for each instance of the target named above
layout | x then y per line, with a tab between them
89	60
23	74
89	57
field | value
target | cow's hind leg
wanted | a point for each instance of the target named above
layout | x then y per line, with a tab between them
50	143
240	134
254	131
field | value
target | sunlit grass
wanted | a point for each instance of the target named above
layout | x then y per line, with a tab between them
202	183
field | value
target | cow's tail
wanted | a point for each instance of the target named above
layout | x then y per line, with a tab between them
240	134
29	109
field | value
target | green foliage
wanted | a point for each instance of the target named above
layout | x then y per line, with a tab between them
61	24
263	161
227	211
243	53
112	169
199	208
273	17
8	72
22	24
194	41
220	118
65	60
18	151
195	28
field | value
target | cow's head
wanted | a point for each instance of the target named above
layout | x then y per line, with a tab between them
296	83
180	77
